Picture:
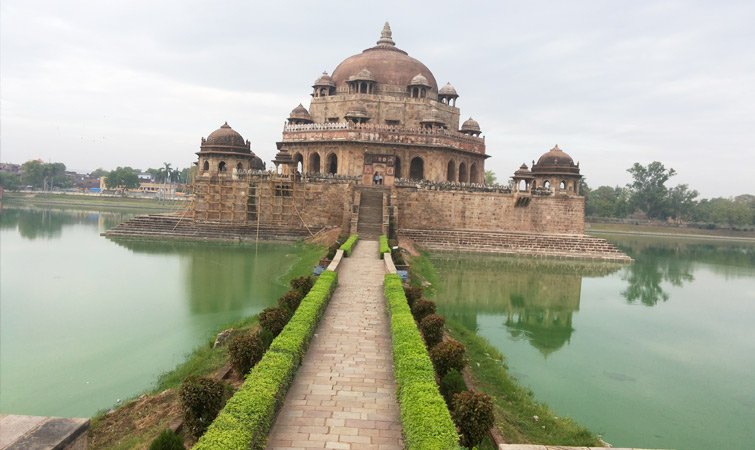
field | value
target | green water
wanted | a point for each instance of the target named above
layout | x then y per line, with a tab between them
85	321
657	354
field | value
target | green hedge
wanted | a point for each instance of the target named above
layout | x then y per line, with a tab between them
425	418
384	247
248	416
348	246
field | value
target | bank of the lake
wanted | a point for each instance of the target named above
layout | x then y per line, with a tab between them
91	201
86	321
664	344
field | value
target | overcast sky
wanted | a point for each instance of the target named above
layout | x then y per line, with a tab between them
138	83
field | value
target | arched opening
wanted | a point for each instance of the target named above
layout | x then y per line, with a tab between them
571	187
522	185
397	168
299	163
547	184
206	165
474	174
562	185
332	163
463	173
417	169
239	167
314	163
451	171
221	166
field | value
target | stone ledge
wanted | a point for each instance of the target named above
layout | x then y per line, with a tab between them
35	432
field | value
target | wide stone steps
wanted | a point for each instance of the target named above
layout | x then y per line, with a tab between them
558	246
370	223
161	226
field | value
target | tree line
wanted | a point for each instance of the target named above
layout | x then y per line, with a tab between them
50	176
649	197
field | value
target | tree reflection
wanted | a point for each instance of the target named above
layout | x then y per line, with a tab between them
48	223
653	265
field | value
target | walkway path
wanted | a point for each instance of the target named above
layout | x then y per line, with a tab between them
344	394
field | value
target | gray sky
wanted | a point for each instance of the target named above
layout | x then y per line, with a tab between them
105	83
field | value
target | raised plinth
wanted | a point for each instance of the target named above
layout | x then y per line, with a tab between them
35	432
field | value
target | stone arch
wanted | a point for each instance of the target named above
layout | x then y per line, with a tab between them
239	167
562	185
299	159
221	166
314	163
206	165
332	164
397	168
417	169
522	185
474	174
451	171
547	184
463	173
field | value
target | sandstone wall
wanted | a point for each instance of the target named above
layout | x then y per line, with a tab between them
456	210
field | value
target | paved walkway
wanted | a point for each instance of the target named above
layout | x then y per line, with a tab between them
344	394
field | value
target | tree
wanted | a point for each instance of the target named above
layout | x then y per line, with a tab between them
490	177
681	202
607	201
649	191
123	178
99	173
43	175
10	181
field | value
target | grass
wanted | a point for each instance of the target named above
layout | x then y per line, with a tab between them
665	230
422	273
72	199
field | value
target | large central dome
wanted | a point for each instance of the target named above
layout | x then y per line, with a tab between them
387	64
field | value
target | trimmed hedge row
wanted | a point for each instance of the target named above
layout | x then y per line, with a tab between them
384	247
348	246
249	415
424	415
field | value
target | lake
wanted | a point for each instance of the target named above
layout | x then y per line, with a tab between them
85	321
656	354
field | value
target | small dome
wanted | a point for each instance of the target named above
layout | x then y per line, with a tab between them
257	163
300	113
419	80
362	75
470	125
448	90
523	172
357	111
555	160
324	80
226	136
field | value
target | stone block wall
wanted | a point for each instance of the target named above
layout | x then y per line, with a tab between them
459	210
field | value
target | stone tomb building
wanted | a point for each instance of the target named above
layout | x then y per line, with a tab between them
381	149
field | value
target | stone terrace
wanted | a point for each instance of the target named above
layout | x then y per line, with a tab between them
344	394
529	244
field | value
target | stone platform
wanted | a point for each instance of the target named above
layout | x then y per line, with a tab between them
38	433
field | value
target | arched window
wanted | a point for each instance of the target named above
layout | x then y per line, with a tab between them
562	185
397	168
314	163
547	184
206	165
463	173
221	166
522	185
239	166
299	162
451	171
474	174
332	163
417	169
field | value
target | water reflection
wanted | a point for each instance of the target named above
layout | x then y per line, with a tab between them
537	298
33	223
225	277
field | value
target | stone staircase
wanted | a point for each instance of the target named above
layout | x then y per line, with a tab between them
370	225
538	245
172	226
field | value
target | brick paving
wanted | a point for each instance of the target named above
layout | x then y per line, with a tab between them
344	394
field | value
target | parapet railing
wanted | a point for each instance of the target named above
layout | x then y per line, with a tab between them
452	186
370	127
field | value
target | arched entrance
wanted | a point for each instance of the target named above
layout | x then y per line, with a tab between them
474	174
397	168
417	169
463	173
314	163
451	171
332	164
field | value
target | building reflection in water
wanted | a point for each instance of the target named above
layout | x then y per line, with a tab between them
536	297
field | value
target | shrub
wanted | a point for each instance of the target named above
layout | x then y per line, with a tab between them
201	400
332	251
422	308
291	299
274	319
348	246
302	284
432	329
384	248
167	440
447	355
452	383
413	293
245	350
473	413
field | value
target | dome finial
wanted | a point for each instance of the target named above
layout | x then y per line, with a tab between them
386	36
